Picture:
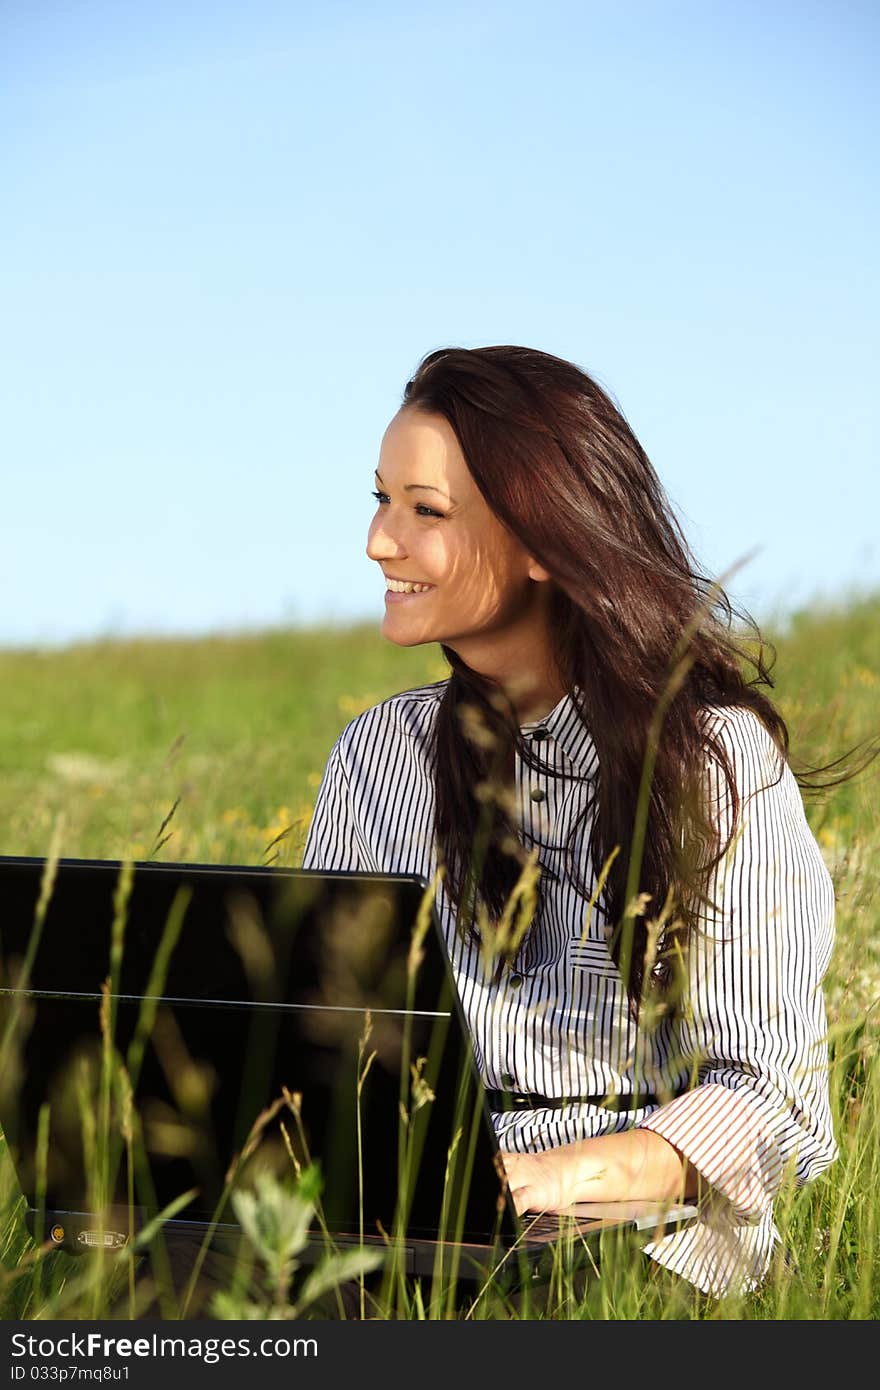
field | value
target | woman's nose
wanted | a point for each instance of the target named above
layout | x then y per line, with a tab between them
381	545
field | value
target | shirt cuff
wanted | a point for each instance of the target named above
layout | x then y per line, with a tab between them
723	1133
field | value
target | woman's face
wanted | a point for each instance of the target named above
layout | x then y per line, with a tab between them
432	526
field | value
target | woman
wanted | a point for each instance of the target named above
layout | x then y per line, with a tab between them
659	1030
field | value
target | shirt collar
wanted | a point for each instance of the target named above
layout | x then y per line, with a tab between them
564	726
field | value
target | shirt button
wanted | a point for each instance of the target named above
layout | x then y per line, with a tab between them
506	1079
515	981
537	794
539	734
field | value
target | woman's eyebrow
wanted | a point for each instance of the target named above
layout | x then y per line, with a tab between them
424	487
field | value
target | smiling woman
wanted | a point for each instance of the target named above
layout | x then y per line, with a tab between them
481	593
659	1020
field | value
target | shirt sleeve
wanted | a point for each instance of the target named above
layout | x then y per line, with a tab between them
334	841
754	1030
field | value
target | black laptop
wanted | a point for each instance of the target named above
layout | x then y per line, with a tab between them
166	1029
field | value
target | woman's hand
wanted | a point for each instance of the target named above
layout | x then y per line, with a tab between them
636	1165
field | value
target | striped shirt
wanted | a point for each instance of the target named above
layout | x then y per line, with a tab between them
747	1059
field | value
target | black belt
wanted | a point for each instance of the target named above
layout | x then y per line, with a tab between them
520	1100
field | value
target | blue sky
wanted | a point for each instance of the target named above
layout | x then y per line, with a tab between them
230	231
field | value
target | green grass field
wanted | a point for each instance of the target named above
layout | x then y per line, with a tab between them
212	750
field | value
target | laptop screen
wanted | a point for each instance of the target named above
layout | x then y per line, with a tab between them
258	1017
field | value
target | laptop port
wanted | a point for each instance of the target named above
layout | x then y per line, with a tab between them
107	1240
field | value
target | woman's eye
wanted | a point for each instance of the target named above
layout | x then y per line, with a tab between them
420	506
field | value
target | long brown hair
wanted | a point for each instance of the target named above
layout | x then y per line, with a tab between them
637	630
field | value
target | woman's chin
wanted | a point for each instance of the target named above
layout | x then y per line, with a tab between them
392	632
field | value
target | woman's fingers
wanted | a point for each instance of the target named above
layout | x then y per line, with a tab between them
556	1178
534	1181
524	1201
516	1166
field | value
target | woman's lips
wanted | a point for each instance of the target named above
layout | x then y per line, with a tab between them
392	597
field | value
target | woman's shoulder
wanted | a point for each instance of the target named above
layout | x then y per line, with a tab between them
410	713
737	724
751	750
